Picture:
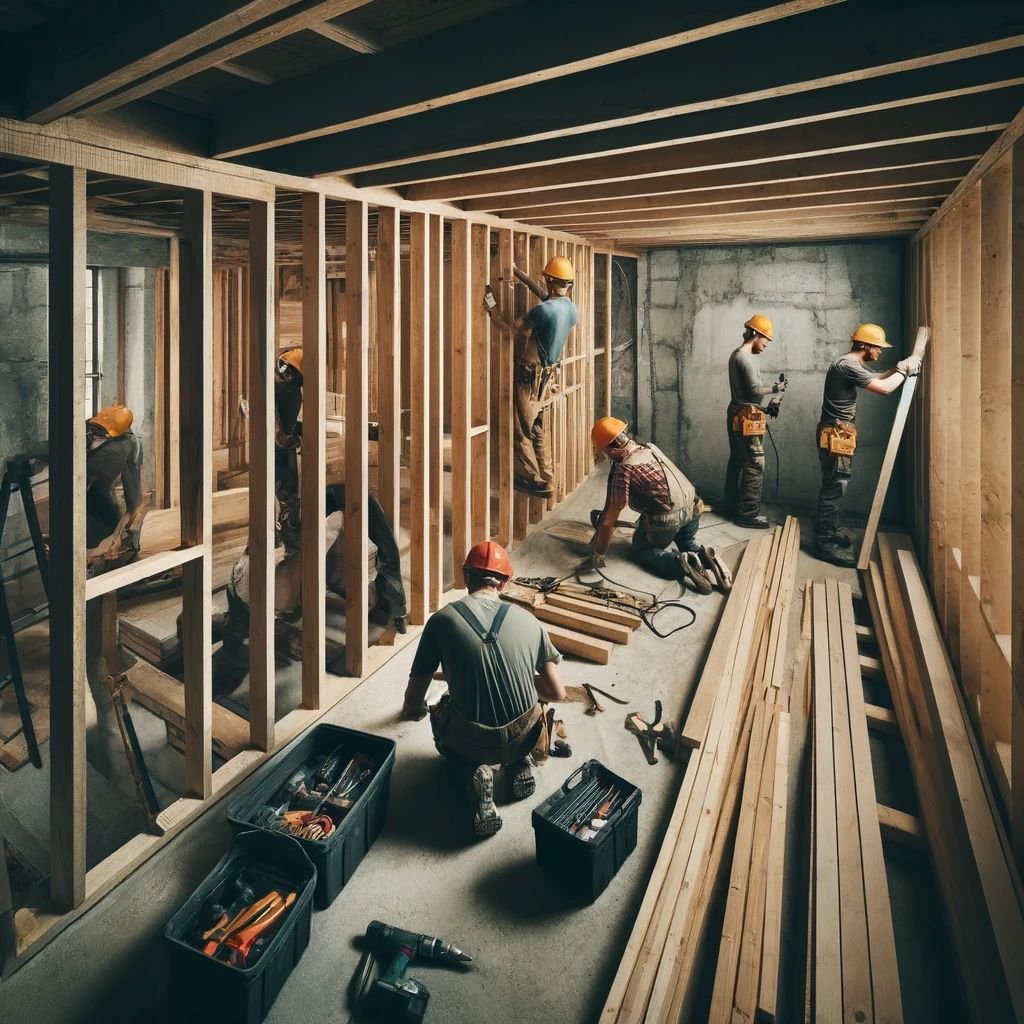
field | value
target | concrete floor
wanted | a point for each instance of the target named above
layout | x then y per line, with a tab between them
536	959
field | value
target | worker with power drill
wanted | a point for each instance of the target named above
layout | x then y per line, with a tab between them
544	331
837	433
498	662
642	477
746	424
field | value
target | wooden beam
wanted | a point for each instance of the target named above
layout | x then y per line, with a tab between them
965	115
357	415
460	378
314	475
435	387
349	38
249	74
414	77
128	66
66	587
1016	337
481	385
196	473
901	828
502	367
419	417
262	357
389	365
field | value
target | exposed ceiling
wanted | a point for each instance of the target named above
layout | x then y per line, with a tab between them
706	121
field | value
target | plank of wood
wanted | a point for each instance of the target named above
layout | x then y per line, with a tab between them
460	387
583	623
871	668
512	507
436	397
389	364
891	451
881	719
901	828
569	641
419	417
594	609
481	384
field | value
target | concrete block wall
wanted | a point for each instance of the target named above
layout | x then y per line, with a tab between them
692	305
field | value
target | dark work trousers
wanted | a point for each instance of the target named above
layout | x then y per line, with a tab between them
532	393
286	490
744	476
231	661
835	478
650	547
102	514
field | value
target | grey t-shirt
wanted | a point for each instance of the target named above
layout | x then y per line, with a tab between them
552	320
845	375
744	378
487	686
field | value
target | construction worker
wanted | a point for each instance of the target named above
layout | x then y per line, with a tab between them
837	434
746	424
644	478
498	662
114	453
544	330
287	442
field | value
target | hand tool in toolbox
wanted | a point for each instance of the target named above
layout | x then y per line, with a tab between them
587	807
394	998
652	735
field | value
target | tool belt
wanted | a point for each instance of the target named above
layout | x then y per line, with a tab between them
748	420
837	439
657	525
485	744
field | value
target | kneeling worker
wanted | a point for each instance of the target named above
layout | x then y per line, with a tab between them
837	434
642	477
498	661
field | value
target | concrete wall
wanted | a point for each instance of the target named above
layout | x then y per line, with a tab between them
692	306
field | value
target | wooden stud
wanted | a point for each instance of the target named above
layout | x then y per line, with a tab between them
196	475
357	390
1016	336
66	589
511	508
389	366
460	387
901	828
419	416
436	391
481	384
173	344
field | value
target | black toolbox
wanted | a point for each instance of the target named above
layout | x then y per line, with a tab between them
337	856
204	989
584	867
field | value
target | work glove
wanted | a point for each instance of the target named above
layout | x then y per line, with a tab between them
910	366
779	386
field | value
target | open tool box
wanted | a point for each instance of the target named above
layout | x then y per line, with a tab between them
233	977
333	815
582	854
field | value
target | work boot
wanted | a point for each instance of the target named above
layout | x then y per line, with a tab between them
835	555
711	561
694	573
521	776
752	522
534	488
486	820
595	517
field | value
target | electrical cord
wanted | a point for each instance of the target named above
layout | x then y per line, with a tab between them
775	500
656	607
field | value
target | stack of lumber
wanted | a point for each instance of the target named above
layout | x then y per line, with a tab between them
854	974
977	880
575	623
740	707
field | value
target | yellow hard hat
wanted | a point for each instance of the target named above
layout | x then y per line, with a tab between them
114	419
605	430
293	357
560	269
760	323
870	334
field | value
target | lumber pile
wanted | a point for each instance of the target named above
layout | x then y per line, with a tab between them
737	728
977	880
854	973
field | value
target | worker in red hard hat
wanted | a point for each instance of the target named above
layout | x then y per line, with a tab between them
644	478
540	337
498	661
287	443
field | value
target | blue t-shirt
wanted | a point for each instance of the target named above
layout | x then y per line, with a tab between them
552	320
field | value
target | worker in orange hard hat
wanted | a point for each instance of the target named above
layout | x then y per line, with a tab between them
498	662
837	432
644	478
114	455
287	442
540	336
746	424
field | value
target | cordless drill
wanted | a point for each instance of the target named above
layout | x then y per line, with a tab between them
776	403
397	999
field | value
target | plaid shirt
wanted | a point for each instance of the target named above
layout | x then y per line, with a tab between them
643	487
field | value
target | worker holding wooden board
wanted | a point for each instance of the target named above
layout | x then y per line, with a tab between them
837	431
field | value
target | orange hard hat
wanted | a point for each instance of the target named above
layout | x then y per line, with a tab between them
489	557
870	334
293	357
114	419
560	269
760	323
605	430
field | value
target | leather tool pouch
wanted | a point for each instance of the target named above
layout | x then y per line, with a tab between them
749	422
838	440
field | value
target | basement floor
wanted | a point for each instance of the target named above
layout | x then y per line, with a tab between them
536	959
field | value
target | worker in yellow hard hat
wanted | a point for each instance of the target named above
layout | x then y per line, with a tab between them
746	424
287	442
540	337
644	478
837	432
114	455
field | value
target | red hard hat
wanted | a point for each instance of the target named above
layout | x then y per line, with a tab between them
489	557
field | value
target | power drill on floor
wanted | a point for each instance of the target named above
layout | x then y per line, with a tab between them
394	998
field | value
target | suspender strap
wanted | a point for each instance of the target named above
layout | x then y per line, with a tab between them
491	636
